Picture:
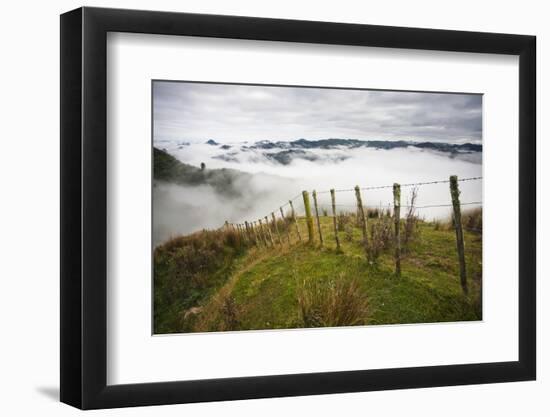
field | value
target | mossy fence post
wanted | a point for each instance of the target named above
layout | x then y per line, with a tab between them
249	232
258	232
244	232
295	220
362	219
269	231
455	196
287	226
264	234
334	220
397	221
276	228
317	216
309	218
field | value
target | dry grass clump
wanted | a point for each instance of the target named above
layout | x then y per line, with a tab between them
229	312
348	232
381	238
334	302
472	219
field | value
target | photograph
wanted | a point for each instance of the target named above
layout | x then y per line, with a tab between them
288	207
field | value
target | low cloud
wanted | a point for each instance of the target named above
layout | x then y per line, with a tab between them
186	209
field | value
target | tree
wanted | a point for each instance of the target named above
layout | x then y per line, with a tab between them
202	166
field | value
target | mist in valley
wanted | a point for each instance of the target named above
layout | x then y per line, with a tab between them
185	209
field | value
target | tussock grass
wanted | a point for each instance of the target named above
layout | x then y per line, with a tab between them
381	238
333	302
472	221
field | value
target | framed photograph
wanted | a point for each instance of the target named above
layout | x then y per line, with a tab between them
258	208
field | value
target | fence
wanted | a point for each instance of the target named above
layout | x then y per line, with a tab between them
276	227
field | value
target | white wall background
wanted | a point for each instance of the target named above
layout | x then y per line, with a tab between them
29	225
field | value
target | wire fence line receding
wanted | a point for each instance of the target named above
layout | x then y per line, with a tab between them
412	184
262	230
380	187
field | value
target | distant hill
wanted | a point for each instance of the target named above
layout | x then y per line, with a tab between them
284	152
167	168
356	143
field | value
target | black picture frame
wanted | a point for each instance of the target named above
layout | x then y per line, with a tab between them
84	207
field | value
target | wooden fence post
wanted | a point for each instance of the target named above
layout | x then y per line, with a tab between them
295	220
309	218
455	196
248	234
240	232
317	216
396	215
257	234
269	231
276	228
246	230
287	226
334	220
362	219
264	234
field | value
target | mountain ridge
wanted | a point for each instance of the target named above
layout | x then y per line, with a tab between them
333	143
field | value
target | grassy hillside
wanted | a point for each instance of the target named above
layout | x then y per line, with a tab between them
214	281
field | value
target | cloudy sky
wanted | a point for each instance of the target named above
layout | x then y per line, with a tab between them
229	113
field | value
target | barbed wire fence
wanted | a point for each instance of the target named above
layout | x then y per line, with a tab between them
281	226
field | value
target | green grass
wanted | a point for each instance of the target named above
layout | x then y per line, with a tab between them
261	288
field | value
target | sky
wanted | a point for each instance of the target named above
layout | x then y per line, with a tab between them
196	112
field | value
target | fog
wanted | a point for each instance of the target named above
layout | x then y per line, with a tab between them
185	209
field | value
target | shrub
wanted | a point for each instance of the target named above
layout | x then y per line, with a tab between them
229	312
472	220
411	219
344	219
381	238
283	225
330	303
233	239
373	213
348	232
